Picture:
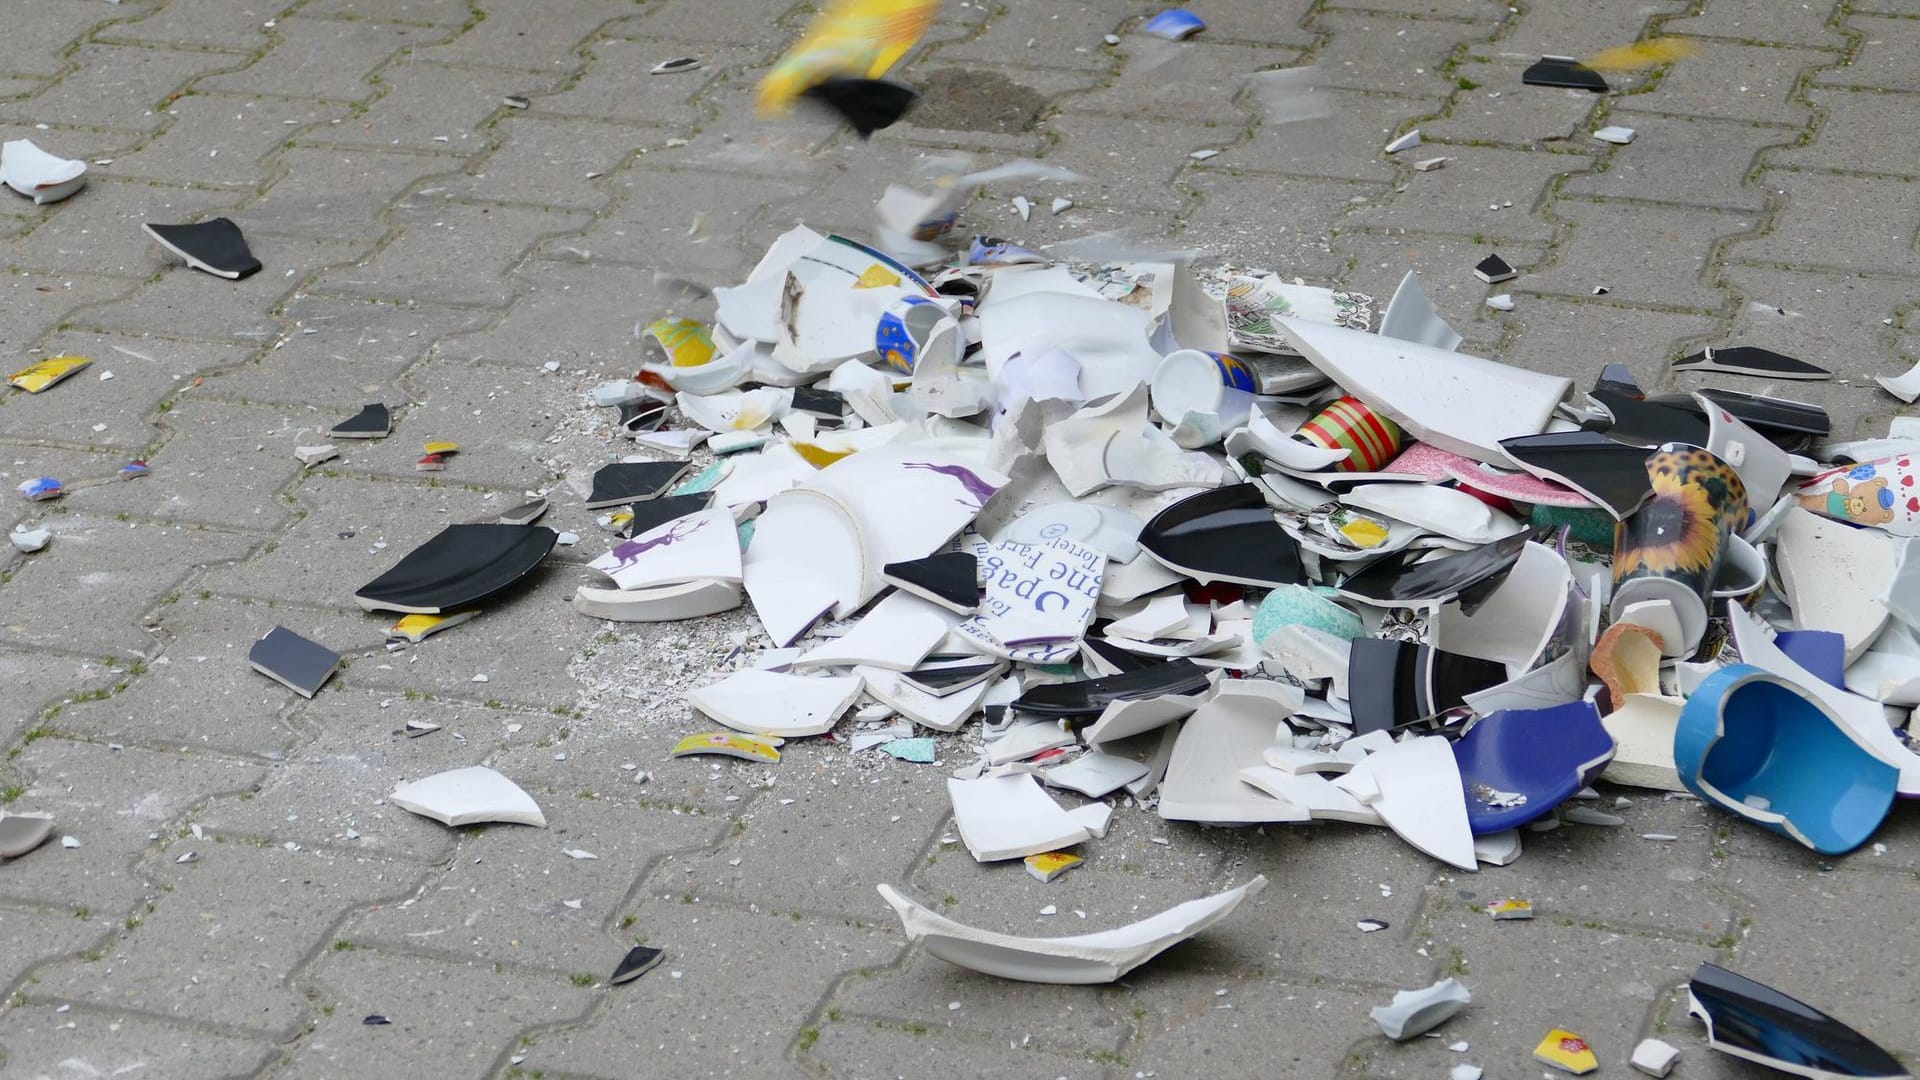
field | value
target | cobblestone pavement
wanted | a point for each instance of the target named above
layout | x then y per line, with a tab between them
427	246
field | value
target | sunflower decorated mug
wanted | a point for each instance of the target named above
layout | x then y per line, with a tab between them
1672	547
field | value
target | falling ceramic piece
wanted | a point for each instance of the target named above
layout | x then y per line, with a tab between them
1831	573
371	422
1084	959
664	603
1095	775
1421	797
42	374
1049	865
698	546
1493	270
41	176
1755	1022
1226	534
1627	659
301	665
1750	360
767	703
1404	142
949	579
1411	317
1619	136
1653	1057
21	833
1567	1052
1224	736
1413	580
1174	24
1613	475
1642	727
633	481
216	246
639	960
1461	403
41	489
1543	755
1564	72
1010	817
1757	745
674	67
1905	387
469	796
895	635
459	567
27	540
1444	511
1413	1013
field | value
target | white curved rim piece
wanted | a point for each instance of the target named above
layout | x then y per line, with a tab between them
667	603
769	703
1079	960
1514	624
1264	437
806	556
469	796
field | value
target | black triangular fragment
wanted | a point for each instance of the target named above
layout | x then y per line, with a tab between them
949	579
215	246
1564	71
372	422
633	481
867	104
1750	360
650	514
644	415
819	402
1493	269
638	961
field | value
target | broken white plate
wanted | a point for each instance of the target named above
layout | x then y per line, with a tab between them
896	635
907	500
1832	573
1023	739
1457	402
1763	468
941	713
1080	960
1415	1012
664	603
469	796
755	478
1445	511
1421	797
806	558
1096	775
1315	794
1517	621
736	410
1076	446
39	175
1168	616
1227	734
1108	338
768	703
1136	716
1411	317
718	375
1010	817
1036	596
1642	726
1889	672
705	545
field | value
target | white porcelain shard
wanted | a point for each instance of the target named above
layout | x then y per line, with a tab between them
1497	849
1265	437
806	558
1421	797
1553	683
1227	734
1095	774
1080	960
896	635
1164	617
699	546
1108	528
21	833
1413	1013
1136	716
1516	622
1022	740
736	410
1108	338
1010	817
663	603
1763	468
1076	446
39	175
469	796
1404	142
1614	133
768	703
1295	761
1832	573
1315	794
1037	598
1890	671
1445	511
1411	317
1905	387
1642	727
1456	402
756	478
28	540
941	713
907	499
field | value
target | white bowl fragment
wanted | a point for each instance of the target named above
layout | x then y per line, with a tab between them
1010	817
467	797
39	175
1412	1013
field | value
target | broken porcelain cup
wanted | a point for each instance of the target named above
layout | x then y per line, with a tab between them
1213	385
1671	548
1413	1013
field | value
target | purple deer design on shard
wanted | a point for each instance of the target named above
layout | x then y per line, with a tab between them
627	554
976	487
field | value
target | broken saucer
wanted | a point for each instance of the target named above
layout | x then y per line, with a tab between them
1084	959
298	663
459	567
469	796
21	833
216	246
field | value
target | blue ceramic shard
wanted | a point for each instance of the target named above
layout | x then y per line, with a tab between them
1758	746
1174	24
1518	764
1822	652
1755	1022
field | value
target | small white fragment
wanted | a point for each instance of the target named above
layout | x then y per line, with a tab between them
105	375
1658	836
1023	206
1202	155
1653	1057
579	853
1459	1047
1062	205
69	842
479	678
30	540
1464	1072
191	856
551	365
568	539
953	1006
1112	39
1405	142
1615	134
1050	909
1429	164
1503	302
574	904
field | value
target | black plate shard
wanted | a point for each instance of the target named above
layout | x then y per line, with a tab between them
650	514
461	566
1788	423
1618	378
371	422
638	961
302	665
633	481
808	399
525	513
1493	270
867	104
1751	360
1226	534
940	680
1563	71
1404	581
950	579
1611	473
215	246
1398	682
1650	424
1755	1022
1089	696
638	417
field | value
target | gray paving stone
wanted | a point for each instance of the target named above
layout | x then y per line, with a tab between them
527	38
145	371
1198	85
438	235
1495	112
440	12
1445	265
1684	160
1283	224
1853	223
557	161
205	25
750	22
1059	36
858	1047
430	107
1578	32
188	304
255	467
40	678
118	86
340	194
1836	320
105	238
41	1042
1804	22
219	140
1858	133
640	230
1188	1025
921	993
1459	197
1252	20
1387	54
617	86
1347	147
537	328
207	955
1129	161
88	145
324	58
1735	82
1879	62
37	935
1569	337
36	303
1654	255
340	354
